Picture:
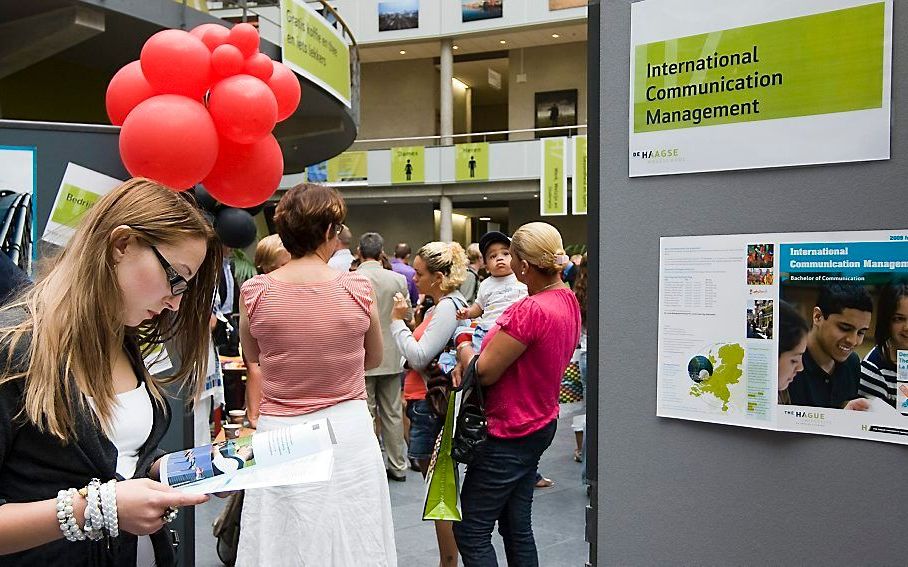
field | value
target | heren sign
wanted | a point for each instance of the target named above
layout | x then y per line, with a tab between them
770	83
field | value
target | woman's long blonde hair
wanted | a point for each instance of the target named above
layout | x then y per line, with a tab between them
74	314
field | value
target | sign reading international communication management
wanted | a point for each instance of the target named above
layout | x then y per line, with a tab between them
314	49
758	84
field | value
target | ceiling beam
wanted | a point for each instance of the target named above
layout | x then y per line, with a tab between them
30	40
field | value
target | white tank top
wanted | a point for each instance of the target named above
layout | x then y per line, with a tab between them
133	418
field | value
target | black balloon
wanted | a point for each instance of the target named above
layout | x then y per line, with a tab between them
205	200
256	209
235	227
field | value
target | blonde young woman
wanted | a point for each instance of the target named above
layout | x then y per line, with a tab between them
440	269
521	364
76	402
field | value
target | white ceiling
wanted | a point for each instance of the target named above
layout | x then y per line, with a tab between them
482	42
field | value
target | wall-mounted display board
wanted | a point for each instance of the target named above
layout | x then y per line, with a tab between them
804	332
758	84
314	49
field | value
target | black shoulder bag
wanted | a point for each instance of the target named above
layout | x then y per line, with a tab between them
471	430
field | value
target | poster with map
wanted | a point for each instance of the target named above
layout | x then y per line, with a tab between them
804	332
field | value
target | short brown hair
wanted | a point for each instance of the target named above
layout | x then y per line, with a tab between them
304	215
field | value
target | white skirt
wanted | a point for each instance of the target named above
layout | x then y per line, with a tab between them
345	521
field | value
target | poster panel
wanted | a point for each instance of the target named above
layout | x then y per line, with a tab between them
18	203
471	162
408	165
553	181
396	15
758	84
79	189
579	189
348	167
314	49
804	332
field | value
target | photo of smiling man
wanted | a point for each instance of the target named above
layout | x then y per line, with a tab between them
832	369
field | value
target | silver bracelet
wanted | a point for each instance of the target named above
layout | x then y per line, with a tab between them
94	520
109	507
67	517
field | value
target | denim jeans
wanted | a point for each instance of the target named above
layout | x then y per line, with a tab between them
499	487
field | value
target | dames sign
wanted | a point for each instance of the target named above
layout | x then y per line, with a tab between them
771	87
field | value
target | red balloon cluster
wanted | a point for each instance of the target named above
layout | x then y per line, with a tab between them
199	107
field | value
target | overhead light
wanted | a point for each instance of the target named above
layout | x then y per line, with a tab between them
555	35
485	218
456	47
485	198
502	42
384	201
459	84
535	196
403	51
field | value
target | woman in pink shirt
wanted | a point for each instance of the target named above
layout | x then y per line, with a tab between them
521	364
314	331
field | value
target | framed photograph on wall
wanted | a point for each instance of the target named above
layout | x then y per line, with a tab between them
555	108
475	10
398	15
566	4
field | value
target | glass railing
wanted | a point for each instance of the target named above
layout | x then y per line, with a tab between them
519	135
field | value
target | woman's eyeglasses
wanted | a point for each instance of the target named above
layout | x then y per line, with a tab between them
178	284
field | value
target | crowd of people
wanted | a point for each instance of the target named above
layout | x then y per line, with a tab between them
356	338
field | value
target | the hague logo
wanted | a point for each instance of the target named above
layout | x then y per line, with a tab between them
658	153
806	414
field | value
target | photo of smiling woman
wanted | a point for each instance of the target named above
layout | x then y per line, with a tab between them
792	345
879	375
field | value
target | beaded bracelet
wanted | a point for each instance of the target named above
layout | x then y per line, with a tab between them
66	516
109	507
94	521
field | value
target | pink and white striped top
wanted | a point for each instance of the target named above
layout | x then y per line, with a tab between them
310	338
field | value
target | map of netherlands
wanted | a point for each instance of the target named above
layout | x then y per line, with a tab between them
728	371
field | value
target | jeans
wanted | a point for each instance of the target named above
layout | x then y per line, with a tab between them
499	487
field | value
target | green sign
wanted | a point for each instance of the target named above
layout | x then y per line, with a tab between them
817	64
349	166
553	190
580	176
314	49
72	204
471	162
408	165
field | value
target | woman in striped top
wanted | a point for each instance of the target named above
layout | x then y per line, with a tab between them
879	376
314	331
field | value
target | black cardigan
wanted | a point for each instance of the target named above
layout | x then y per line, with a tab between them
35	465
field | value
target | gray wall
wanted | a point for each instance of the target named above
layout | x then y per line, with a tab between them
684	493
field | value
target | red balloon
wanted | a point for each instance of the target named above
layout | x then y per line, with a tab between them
245	175
226	60
286	89
215	36
259	66
246	37
175	62
171	139
199	31
243	108
127	89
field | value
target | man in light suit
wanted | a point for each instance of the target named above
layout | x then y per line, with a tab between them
383	382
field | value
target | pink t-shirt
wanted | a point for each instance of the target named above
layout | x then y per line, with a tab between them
311	340
525	398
